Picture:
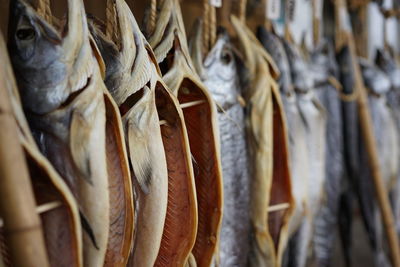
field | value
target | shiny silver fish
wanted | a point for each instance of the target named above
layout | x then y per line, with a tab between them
169	42
314	119
268	149
324	70
386	136
62	215
70	112
219	75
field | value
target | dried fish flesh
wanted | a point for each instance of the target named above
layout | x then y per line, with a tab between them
314	118
169	43
219	75
387	144
267	137
63	218
131	77
324	69
70	123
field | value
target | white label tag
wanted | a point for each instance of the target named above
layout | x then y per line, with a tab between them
216	3
290	6
318	9
273	9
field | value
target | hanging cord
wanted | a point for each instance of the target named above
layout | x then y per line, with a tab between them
152	16
242	10
213	25
44	10
206	26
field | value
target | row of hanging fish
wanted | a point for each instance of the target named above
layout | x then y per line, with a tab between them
147	151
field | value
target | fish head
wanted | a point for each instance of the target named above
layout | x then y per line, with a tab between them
323	63
387	63
35	49
273	44
220	71
375	79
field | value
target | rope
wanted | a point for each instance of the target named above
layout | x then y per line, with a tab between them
213	25
344	97
44	10
242	10
206	26
110	19
153	15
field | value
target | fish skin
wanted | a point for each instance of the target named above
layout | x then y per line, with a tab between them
323	66
385	61
130	73
269	231
351	139
170	47
379	84
62	221
219	74
314	119
67	127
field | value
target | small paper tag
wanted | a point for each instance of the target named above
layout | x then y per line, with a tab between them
273	9
216	3
318	9
290	6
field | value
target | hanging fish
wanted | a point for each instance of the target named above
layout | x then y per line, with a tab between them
268	148
387	144
314	119
296	128
75	124
168	40
133	79
59	212
386	62
324	69
219	74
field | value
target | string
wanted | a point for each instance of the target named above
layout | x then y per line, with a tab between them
242	10
206	26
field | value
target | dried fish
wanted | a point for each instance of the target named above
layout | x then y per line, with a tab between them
314	119
62	219
387	144
70	123
268	145
169	43
325	70
219	75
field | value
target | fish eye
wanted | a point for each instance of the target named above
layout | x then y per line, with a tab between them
25	34
226	57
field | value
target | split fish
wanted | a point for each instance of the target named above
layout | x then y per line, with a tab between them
314	119
387	63
379	85
61	216
76	124
219	74
324	69
168	39
161	165
268	149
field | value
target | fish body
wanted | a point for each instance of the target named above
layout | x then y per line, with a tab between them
49	188
168	40
71	120
132	79
268	149
323	67
387	64
378	84
219	74
314	119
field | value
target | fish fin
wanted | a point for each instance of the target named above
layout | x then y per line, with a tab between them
98	56
140	157
88	229
79	136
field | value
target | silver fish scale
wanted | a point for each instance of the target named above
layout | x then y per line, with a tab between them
235	221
